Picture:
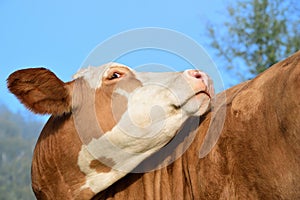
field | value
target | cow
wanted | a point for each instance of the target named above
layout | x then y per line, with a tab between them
253	154
105	122
257	153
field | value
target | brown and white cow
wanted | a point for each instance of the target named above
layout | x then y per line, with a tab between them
257	155
104	123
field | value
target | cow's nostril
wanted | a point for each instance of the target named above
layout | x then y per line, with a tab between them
194	73
197	75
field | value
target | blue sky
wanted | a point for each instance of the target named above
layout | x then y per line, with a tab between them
60	35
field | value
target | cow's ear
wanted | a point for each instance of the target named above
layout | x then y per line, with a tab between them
41	91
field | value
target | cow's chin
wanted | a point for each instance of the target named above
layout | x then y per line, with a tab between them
197	105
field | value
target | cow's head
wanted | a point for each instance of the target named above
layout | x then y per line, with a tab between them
122	116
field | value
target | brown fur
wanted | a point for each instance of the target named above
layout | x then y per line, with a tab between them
100	167
256	157
55	162
113	105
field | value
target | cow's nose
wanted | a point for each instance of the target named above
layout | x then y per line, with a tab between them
198	80
195	73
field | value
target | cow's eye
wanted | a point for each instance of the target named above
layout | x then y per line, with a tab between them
115	75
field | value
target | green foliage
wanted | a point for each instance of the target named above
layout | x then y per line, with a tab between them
257	34
15	154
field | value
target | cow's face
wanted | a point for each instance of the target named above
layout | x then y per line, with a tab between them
121	116
132	99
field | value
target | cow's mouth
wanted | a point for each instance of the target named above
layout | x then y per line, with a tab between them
188	99
203	92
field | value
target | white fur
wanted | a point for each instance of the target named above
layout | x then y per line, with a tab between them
122	92
93	75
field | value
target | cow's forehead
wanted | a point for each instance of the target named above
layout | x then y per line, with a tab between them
93	75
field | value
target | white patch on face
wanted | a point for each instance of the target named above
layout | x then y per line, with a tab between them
149	106
93	75
122	92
